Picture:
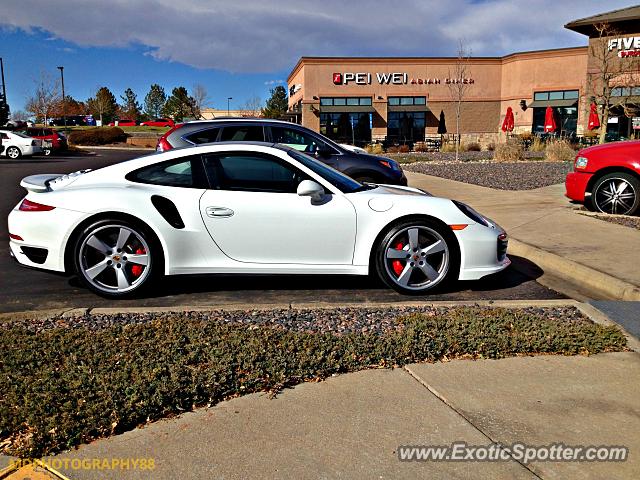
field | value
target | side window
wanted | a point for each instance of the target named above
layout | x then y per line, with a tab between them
182	172
242	133
297	139
253	172
203	136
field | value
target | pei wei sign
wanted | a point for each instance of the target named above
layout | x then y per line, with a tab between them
626	46
395	78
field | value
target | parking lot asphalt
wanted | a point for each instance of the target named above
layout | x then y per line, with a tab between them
25	289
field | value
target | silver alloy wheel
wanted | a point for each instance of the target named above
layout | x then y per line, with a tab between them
424	257
114	258
13	152
615	195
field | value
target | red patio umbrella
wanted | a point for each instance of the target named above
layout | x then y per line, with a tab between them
508	123
549	121
594	120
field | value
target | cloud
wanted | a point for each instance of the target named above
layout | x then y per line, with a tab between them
257	36
273	82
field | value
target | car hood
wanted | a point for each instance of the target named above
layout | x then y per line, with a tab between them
397	190
610	147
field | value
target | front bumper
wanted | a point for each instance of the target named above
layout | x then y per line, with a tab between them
482	251
576	185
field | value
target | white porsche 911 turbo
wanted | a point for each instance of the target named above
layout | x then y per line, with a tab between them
247	209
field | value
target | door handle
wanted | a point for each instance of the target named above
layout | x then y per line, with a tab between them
219	212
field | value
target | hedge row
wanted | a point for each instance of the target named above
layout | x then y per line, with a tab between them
97	136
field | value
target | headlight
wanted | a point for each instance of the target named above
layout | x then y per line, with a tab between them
471	213
581	162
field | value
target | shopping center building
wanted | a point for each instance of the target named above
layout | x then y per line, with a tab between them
353	99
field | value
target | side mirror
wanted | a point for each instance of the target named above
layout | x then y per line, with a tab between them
309	188
323	153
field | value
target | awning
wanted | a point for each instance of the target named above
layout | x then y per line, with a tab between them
347	109
553	103
407	108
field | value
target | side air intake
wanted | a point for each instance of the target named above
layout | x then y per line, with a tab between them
168	210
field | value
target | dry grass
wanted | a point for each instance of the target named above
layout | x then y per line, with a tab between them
512	151
537	145
374	149
559	150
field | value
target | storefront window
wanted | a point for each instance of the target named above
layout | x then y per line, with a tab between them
341	101
406	126
351	128
566	120
407	100
556	95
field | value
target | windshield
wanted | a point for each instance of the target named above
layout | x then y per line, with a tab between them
334	177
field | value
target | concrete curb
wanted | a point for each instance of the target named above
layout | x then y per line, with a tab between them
100	147
575	272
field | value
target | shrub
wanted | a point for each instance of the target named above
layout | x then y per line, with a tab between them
537	145
374	148
420	147
559	150
525	136
512	151
97	136
448	147
404	149
491	147
472	147
393	149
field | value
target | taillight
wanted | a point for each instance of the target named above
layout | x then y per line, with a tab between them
29	206
163	145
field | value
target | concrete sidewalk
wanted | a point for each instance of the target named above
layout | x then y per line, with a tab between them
544	218
350	426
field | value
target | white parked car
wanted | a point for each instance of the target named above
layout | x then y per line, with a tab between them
249	209
17	144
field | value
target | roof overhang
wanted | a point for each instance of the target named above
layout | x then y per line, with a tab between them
407	108
553	103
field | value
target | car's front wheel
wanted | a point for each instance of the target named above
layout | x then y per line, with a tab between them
415	256
14	152
617	193
116	259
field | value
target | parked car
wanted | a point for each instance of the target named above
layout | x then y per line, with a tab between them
52	140
245	208
71	121
17	144
607	177
159	122
123	122
13	124
360	166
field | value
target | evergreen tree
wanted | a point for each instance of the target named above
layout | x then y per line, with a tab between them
180	105
130	107
103	105
154	101
277	104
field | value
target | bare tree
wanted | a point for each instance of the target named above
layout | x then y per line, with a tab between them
251	107
458	84
611	78
19	115
45	99
201	99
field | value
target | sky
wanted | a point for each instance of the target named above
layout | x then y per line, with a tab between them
242	49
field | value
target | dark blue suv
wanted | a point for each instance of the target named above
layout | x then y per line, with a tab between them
359	166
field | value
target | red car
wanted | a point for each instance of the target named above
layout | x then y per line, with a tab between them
124	122
607	177
159	122
55	138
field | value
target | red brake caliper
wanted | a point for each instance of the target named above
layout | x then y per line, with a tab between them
397	264
136	270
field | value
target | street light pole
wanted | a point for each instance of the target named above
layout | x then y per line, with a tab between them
228	100
64	103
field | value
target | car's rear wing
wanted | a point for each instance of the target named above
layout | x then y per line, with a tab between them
46	182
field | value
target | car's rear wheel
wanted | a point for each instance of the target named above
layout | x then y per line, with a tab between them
415	256
14	152
116	258
616	193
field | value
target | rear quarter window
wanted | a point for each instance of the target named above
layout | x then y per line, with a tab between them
186	172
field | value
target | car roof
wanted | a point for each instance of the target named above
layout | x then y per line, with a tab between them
240	119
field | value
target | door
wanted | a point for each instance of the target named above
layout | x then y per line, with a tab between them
254	214
305	142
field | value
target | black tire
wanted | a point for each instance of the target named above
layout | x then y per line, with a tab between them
616	193
109	281
429	233
13	152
